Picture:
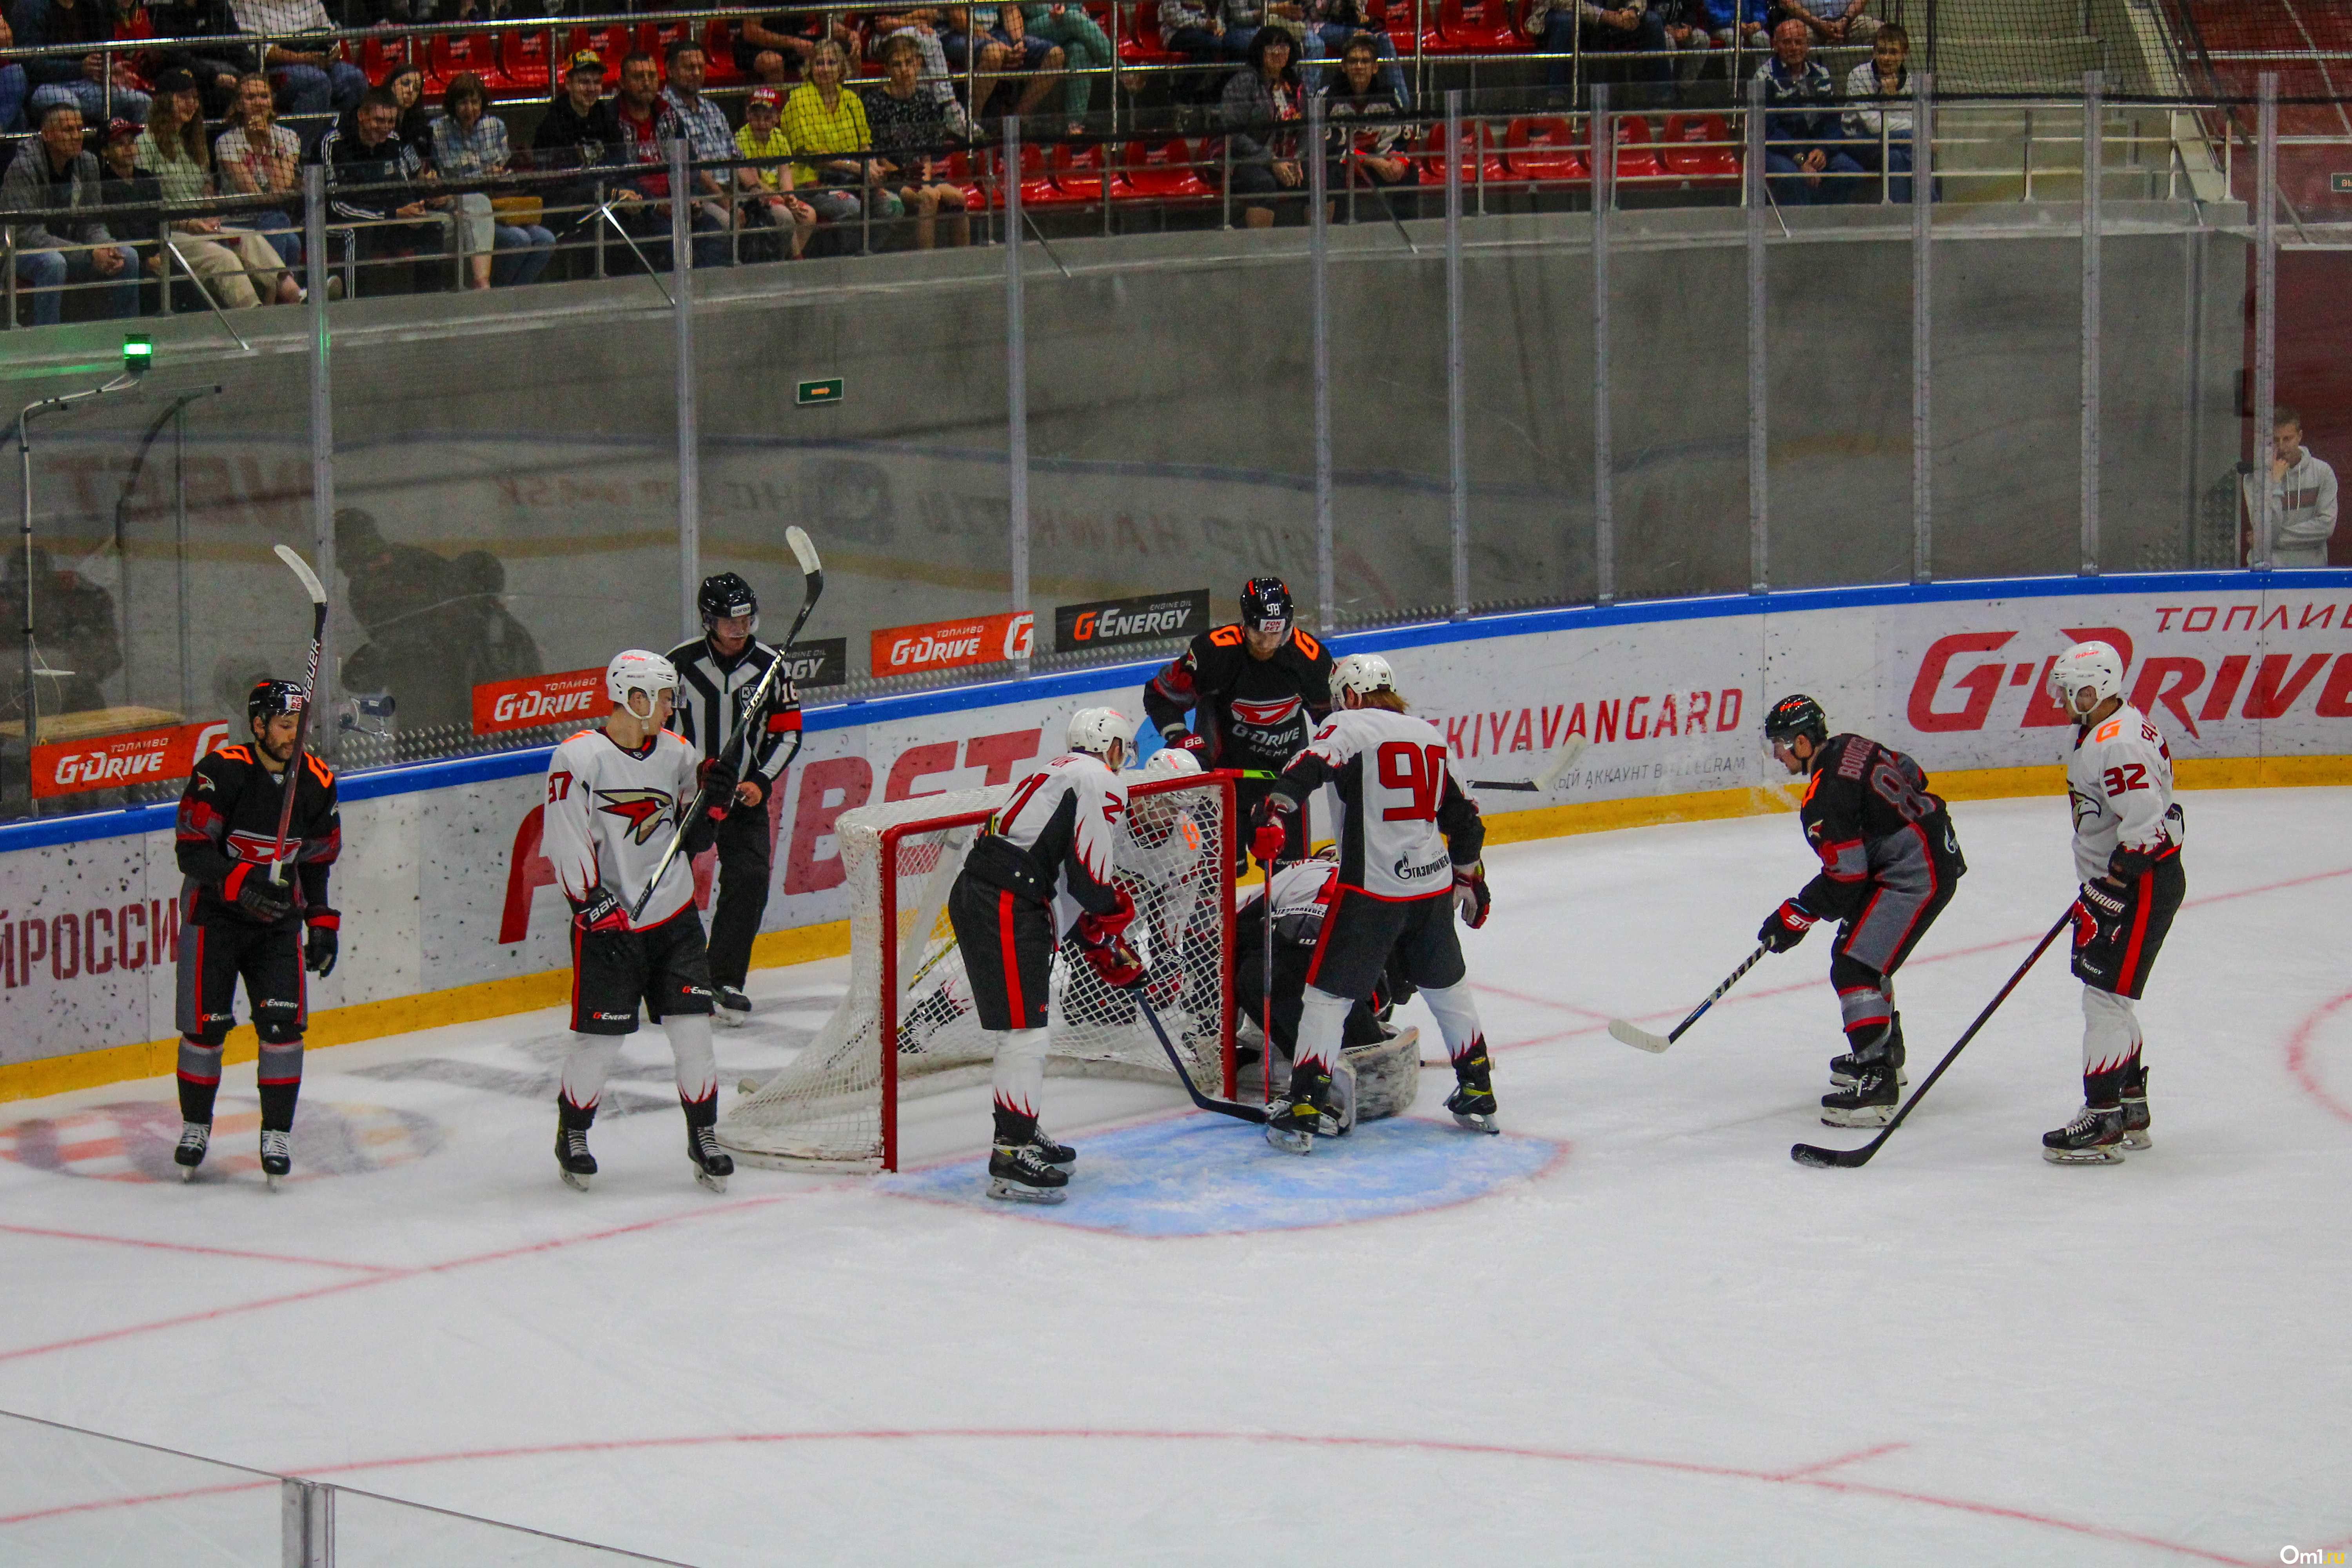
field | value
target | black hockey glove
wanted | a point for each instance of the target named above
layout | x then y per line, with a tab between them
259	898
2128	865
717	777
600	910
1470	898
1785	927
320	949
1182	740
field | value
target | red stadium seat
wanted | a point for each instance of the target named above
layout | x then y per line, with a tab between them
656	38
719	51
1547	149
1711	165
1400	20
611	46
1079	171
522	60
454	54
379	57
1138	37
957	172
1434	160
1160	171
1637	158
1477	27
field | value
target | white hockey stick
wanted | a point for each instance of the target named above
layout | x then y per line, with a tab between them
318	593
1561	761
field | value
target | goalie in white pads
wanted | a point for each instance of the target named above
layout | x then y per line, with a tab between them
614	795
1409	844
2128	836
1040	870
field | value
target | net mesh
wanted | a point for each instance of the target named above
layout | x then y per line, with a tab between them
907	985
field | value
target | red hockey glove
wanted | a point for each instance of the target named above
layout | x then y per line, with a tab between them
1103	944
1270	826
717	778
1785	927
1094	930
1470	898
600	911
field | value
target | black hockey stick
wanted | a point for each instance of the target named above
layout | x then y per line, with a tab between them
1643	1039
814	571
1847	1159
1255	1114
318	593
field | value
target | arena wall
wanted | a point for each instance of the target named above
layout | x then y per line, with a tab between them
450	914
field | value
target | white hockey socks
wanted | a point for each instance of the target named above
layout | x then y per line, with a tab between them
1458	1019
689	1048
585	1068
1322	1023
2111	1036
1020	1076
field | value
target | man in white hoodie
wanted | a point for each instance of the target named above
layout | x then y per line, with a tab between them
2303	500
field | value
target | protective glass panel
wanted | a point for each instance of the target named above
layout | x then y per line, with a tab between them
76	1499
373	1531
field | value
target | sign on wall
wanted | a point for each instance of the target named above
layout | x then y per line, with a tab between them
949	645
1149	618
534	701
110	762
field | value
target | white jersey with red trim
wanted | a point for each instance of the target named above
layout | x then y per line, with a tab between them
2120	776
1065	815
1404	823
609	814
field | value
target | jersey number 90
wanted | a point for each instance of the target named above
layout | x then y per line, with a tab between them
1417	772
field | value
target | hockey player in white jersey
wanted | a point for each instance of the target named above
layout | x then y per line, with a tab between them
1041	872
1409	845
614	796
2128	836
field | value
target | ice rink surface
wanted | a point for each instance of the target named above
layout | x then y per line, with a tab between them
1631	1330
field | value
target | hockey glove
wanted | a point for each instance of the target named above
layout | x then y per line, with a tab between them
1103	942
2128	865
600	910
1185	740
717	778
1094	930
259	898
1785	927
1270	826
1470	898
321	947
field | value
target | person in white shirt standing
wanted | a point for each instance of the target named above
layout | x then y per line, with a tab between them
2302	498
2128	836
614	796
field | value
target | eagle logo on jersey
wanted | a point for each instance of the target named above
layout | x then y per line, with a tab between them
2088	808
1265	715
645	810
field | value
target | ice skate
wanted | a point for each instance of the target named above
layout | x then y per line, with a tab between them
1050	1151
2096	1137
734	1007
712	1164
195	1137
1472	1100
276	1156
1869	1104
571	1155
2136	1119
1292	1123
1846	1070
1018	1173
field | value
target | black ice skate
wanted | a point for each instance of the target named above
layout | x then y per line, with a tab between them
276	1156
1292	1122
734	1007
2134	1099
1472	1100
712	1164
1869	1104
1052	1152
1018	1173
1845	1070
572	1154
2096	1137
195	1137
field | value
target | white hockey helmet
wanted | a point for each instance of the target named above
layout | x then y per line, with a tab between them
635	669
1363	674
2093	664
1092	730
1171	763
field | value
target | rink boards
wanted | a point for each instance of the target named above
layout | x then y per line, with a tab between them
450	912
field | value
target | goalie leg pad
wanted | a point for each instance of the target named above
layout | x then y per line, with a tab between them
1387	1076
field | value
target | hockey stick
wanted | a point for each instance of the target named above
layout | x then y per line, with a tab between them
1644	1040
1253	1114
1847	1159
1563	759
318	593
814	571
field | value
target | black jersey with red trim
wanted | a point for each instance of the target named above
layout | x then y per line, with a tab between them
1254	713
1404	823
1859	794
228	829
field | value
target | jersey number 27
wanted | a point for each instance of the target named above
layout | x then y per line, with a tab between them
1417	772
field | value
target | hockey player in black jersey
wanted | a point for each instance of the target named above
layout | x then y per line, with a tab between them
716	673
245	917
1039	873
1890	862
1254	691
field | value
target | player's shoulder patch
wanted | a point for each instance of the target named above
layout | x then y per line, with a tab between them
230	754
1306	645
319	770
1227	636
2108	731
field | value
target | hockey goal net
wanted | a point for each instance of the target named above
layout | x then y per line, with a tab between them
907	1027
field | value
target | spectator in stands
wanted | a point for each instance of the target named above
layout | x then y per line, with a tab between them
1367	119
637	115
98	83
1884	78
1804	155
1829	22
1697	28
239	266
825	124
772	204
922	25
1007	48
702	124
2303	498
134	203
13	85
1331	26
776	49
314	79
1260	105
257	156
910	134
1635	28
406	85
579	130
385	228
470	143
1193	29
1085	49
52	171
1241	20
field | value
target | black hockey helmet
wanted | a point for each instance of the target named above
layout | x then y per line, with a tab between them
269	698
1793	716
1265	602
726	594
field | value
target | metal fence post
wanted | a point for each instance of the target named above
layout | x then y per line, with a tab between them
1016	370
1456	460
306	1524
1923	291
2092	154
2266	318
689	432
1319	289
1757	194
1604	196
323	423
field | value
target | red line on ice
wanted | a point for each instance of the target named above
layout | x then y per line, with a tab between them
1806	1476
205	1251
2299	1063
